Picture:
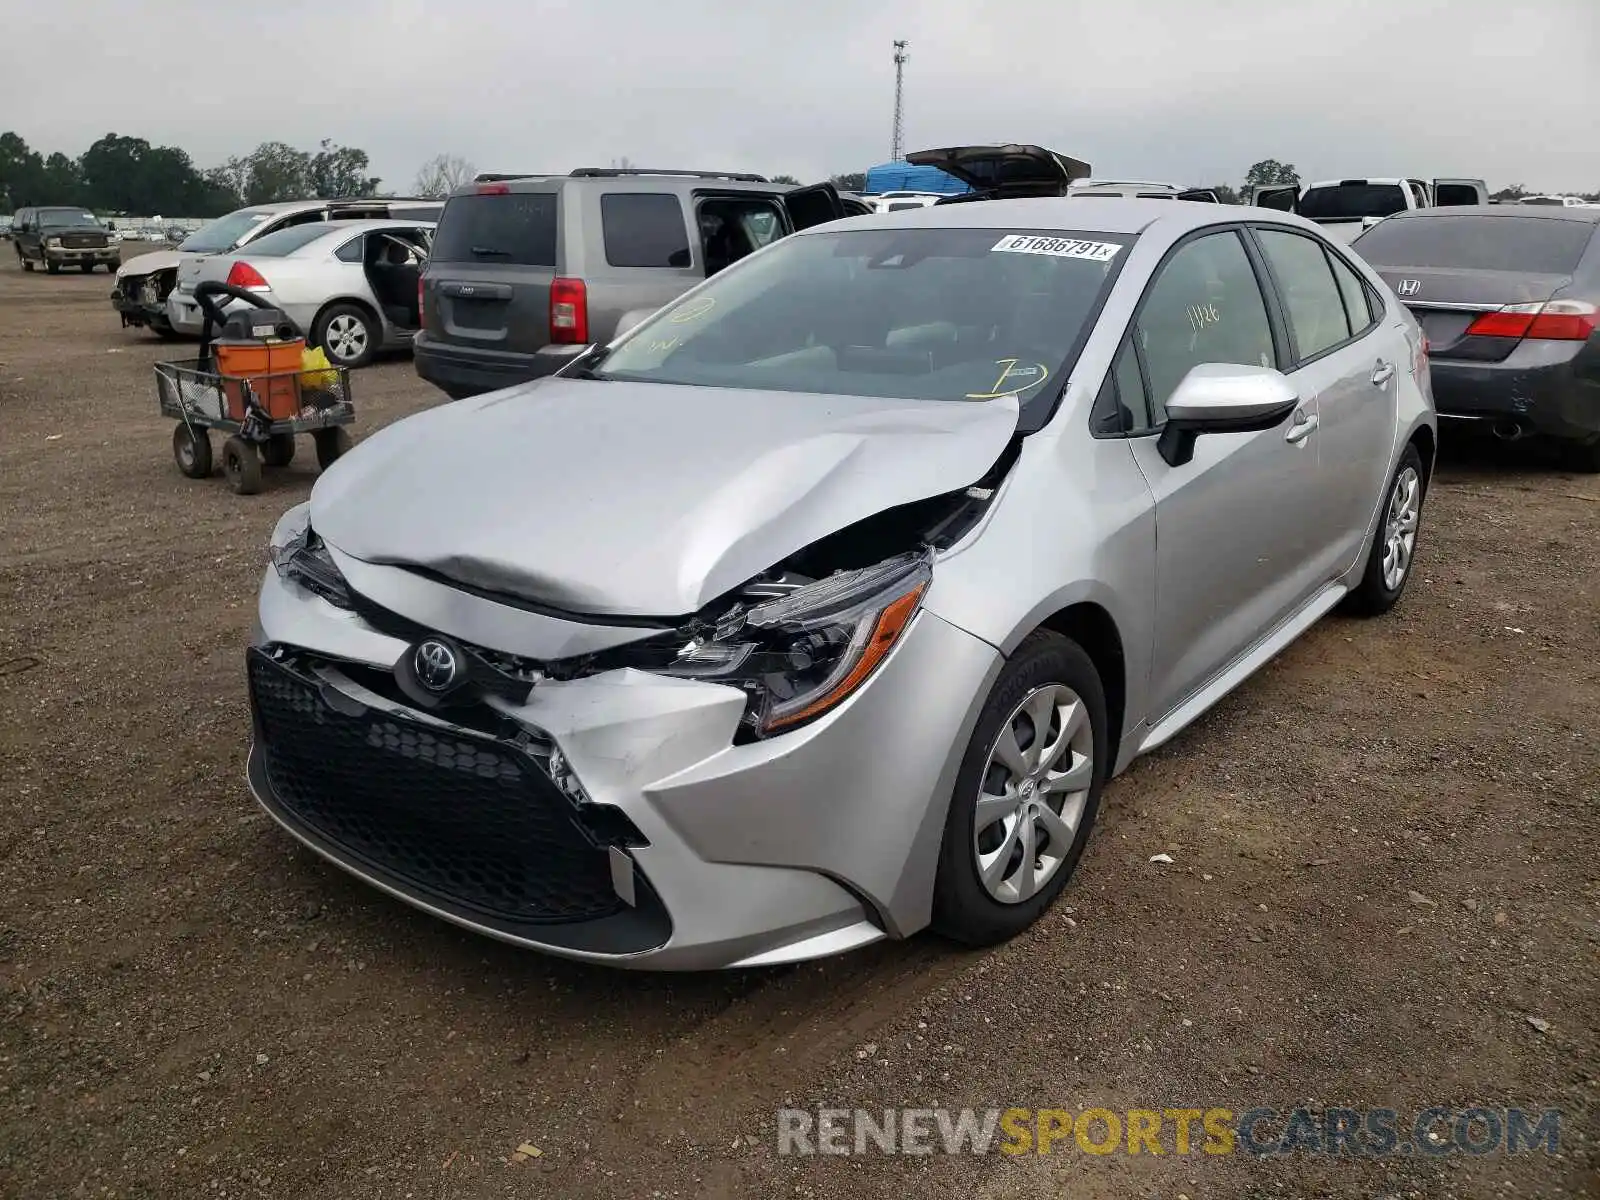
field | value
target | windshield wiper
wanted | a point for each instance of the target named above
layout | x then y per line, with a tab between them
490	252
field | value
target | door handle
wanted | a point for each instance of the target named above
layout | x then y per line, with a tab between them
1382	373
1304	425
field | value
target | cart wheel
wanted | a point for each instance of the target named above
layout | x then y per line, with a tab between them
331	443
192	449
242	465
279	450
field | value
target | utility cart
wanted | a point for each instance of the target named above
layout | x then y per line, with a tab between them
251	383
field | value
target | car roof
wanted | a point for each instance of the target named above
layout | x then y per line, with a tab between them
283	206
1526	212
1133	215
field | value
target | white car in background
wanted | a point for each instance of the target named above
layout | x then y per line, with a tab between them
887	202
1141	190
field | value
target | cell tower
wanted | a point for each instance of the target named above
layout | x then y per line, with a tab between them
900	60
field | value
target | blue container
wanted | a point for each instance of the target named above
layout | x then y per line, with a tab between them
903	177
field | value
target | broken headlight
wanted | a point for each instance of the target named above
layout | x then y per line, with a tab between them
302	558
800	654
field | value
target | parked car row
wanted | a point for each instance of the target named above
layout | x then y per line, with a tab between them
821	604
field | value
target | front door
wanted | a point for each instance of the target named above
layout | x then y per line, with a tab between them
1232	557
814	205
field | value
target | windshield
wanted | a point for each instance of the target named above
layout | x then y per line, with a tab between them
67	218
1528	245
225	232
1348	201
924	314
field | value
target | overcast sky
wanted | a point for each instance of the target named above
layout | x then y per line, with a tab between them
1192	92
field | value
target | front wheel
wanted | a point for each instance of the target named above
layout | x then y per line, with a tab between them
1026	794
348	335
1394	542
191	450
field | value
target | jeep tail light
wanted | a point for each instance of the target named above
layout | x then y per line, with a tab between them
243	275
569	312
1552	320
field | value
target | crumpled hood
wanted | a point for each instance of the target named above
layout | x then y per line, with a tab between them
148	264
640	499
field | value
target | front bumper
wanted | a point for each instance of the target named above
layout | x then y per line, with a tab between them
1546	387
137	304
98	255
803	845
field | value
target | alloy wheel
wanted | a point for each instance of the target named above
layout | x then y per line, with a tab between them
1400	527
347	337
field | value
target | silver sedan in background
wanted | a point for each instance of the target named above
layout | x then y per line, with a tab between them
350	285
820	607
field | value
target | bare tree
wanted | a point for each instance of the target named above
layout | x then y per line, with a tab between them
442	174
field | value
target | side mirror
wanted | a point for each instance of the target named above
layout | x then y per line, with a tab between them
1223	398
631	319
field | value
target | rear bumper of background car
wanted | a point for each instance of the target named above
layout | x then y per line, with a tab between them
682	850
462	371
1549	388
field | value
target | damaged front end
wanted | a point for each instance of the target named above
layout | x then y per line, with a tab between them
141	299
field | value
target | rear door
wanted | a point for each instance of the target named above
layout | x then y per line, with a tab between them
487	282
1281	197
814	205
1343	358
1448	193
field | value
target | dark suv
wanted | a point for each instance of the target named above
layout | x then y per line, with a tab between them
527	269
62	237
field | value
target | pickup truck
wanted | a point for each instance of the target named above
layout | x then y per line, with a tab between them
1346	207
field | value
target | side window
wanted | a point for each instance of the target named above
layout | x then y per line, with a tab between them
644	229
1311	297
1137	413
350	252
1357	298
1204	307
300	218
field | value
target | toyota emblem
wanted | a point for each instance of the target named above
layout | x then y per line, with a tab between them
1408	287
436	665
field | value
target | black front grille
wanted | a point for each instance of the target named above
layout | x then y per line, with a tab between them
465	822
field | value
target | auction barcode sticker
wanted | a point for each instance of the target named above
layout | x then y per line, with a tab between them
1032	243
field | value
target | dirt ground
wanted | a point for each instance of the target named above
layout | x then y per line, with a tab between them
1384	864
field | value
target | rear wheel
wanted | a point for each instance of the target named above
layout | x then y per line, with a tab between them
1394	542
191	450
1026	794
242	465
332	444
348	334
279	450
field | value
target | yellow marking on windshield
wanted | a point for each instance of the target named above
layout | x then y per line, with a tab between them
1012	369
694	310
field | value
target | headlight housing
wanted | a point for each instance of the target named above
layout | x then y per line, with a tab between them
302	558
800	654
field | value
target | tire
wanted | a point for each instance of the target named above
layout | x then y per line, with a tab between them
965	908
191	450
279	450
242	465
1380	589
1581	457
332	444
348	334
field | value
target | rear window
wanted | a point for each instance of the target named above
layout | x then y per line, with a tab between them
1455	194
956	315
644	229
518	228
1534	245
286	241
1352	200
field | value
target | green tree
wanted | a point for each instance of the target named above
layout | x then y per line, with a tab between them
129	175
1511	194
21	172
277	171
338	172
59	182
1267	172
785	179
1225	193
849	181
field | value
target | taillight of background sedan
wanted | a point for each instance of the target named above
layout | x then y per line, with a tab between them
822	605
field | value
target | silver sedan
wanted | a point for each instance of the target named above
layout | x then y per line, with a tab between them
350	285
821	606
